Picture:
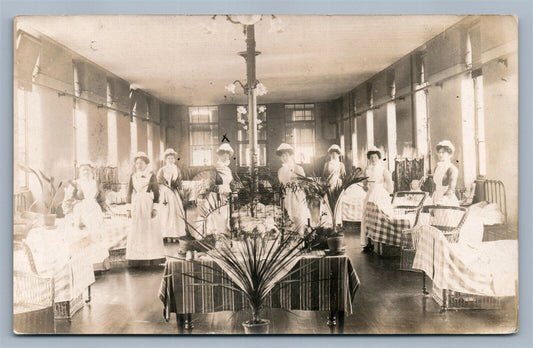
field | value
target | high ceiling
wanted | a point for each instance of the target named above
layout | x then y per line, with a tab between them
189	59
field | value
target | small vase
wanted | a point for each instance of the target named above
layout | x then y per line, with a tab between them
49	219
335	243
260	328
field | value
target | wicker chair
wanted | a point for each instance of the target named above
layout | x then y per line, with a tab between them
404	202
33	295
448	219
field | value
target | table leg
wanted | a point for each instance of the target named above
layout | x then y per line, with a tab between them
444	305
340	317
424	289
179	321
88	294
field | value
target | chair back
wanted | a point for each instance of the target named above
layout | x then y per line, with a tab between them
448	219
404	202
19	203
30	291
494	191
23	258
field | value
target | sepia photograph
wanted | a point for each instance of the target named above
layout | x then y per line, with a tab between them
265	174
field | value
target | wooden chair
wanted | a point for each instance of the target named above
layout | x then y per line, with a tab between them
33	295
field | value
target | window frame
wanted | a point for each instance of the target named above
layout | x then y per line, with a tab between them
303	124
211	123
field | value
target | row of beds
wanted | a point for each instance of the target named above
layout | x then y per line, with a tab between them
468	269
427	238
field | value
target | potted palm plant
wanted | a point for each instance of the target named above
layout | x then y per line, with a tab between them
46	204
255	266
319	190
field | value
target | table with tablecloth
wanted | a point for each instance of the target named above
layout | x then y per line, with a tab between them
477	268
319	283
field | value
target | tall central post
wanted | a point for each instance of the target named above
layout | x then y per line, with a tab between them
252	102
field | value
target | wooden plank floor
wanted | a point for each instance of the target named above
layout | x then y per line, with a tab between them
124	301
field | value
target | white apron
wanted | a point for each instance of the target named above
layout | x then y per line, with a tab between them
171	214
144	240
218	221
295	201
376	194
335	170
438	196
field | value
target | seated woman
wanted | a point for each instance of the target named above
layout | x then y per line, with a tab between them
295	201
171	211
380	186
83	205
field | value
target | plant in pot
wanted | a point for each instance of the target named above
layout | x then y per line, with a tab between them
319	191
255	266
46	204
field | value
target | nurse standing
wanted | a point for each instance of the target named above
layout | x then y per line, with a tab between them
334	169
295	201
218	221
445	177
144	240
380	186
171	212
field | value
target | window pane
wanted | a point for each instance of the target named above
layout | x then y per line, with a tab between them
204	114
213	114
201	156
201	134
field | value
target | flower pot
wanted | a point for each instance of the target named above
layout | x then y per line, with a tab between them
186	244
49	219
335	243
260	328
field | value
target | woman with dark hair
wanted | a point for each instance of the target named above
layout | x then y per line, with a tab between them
380	186
144	239
445	176
334	169
294	203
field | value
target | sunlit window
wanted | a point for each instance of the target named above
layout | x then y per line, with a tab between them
203	134
300	130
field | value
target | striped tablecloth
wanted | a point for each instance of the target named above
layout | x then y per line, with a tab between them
384	229
322	284
483	268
